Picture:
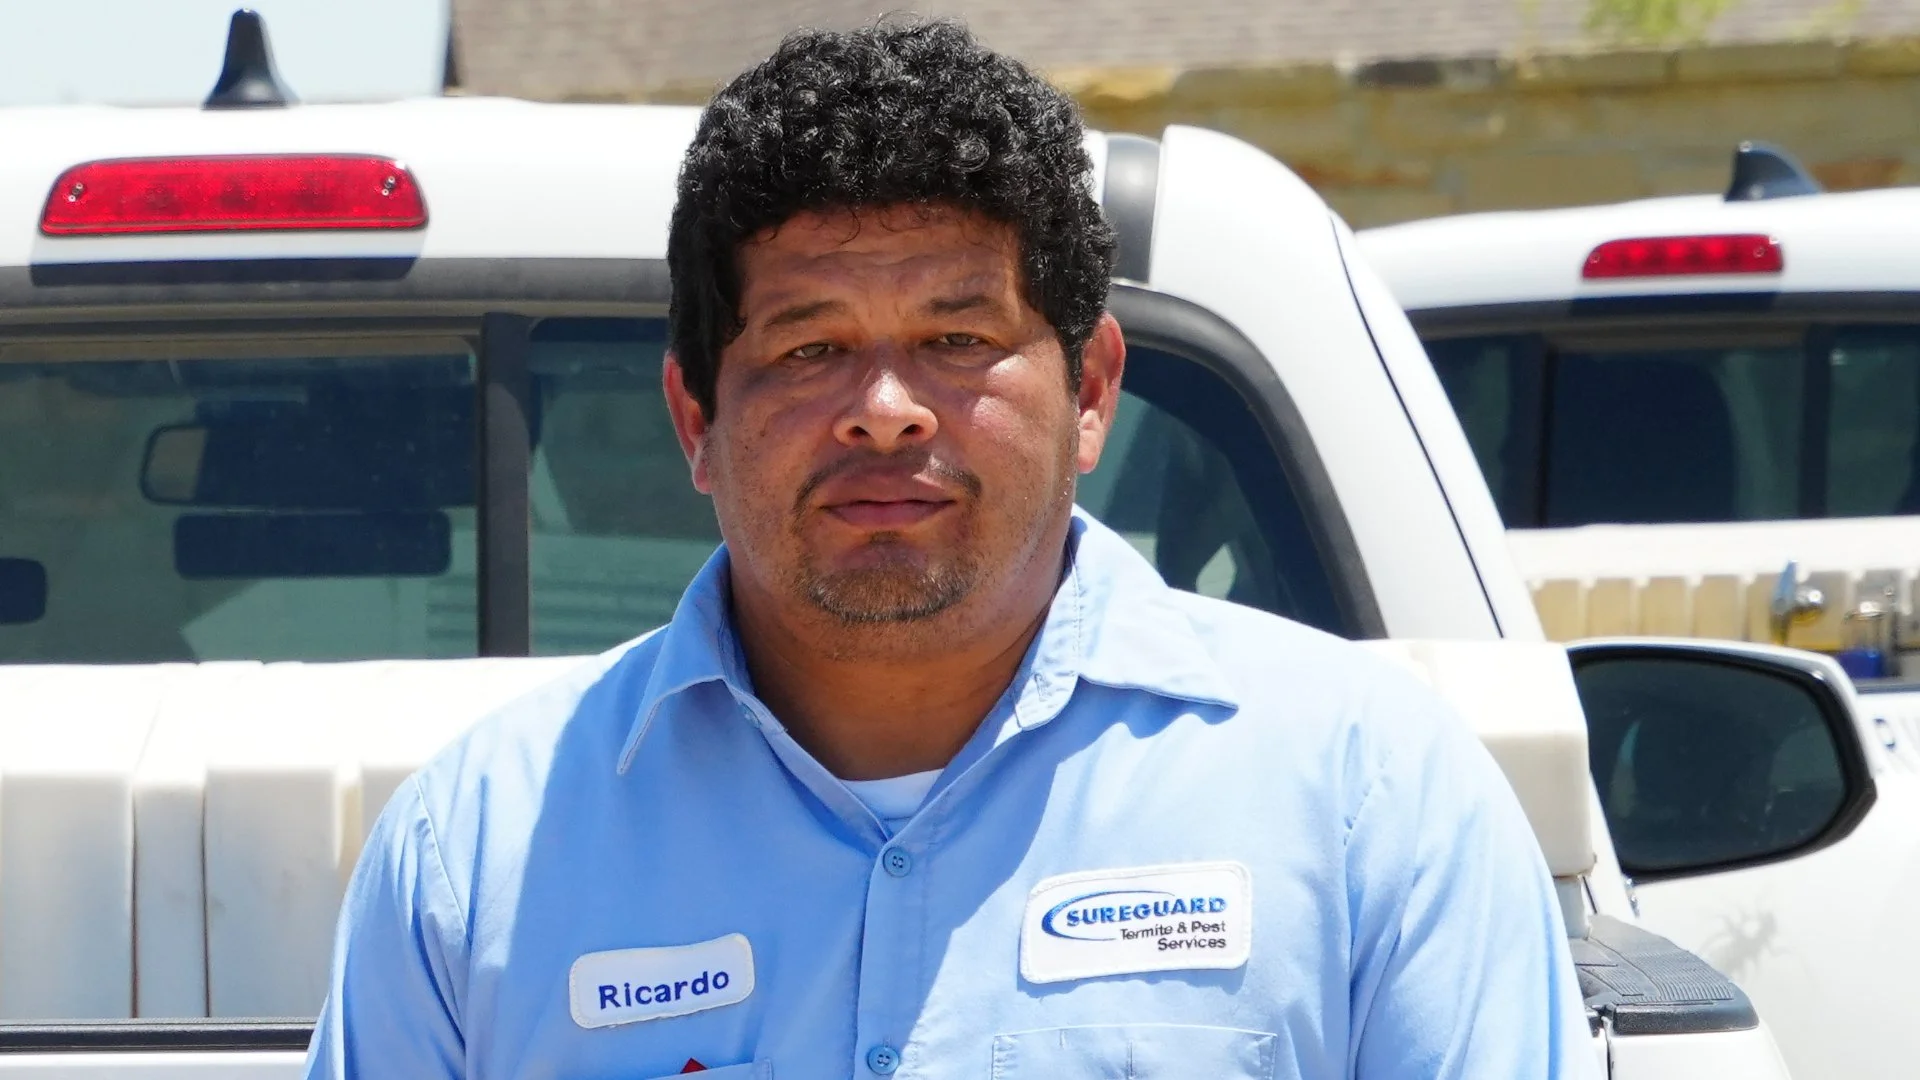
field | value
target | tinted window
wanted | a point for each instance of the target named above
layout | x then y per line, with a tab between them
1192	480
1669	435
1701	763
186	502
1873	457
618	529
1188	477
1815	422
1493	383
171	502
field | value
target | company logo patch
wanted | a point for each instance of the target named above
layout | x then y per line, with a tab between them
1104	915
627	985
1184	916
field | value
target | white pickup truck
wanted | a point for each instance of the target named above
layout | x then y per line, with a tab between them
1700	417
379	385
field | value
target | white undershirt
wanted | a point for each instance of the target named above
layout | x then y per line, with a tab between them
895	799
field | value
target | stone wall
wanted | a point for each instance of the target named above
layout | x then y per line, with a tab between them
1396	140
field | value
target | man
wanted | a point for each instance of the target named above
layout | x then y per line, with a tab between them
930	775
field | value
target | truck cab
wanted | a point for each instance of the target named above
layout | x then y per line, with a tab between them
1700	415
1700	418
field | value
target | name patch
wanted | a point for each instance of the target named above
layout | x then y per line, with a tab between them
625	985
1180	917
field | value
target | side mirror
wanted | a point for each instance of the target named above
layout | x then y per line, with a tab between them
1715	756
23	591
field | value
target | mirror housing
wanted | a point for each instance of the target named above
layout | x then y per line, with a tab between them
23	591
1714	756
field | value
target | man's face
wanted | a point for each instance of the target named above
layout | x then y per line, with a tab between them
894	433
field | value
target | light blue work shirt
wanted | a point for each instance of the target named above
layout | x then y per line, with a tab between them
1339	829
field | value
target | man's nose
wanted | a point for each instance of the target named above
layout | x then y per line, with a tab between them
886	414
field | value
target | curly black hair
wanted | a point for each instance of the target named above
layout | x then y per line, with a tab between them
900	112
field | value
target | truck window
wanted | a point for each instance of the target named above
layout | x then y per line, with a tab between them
618	529
1873	417
1187	477
270	500
1494	385
314	499
1670	435
1569	433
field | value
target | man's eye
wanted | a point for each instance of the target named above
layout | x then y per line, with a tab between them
959	341
810	352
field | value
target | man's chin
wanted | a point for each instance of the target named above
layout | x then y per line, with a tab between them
892	595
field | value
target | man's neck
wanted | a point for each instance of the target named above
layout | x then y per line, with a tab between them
872	713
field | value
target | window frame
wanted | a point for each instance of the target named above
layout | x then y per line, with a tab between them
1171	325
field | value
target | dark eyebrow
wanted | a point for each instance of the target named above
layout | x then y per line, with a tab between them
954	305
799	313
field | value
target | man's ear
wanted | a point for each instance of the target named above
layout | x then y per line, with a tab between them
1101	364
690	422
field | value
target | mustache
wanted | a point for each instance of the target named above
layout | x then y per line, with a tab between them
901	463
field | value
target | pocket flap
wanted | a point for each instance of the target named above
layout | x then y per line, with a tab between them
1138	1051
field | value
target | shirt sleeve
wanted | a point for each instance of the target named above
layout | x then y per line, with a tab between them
1460	964
393	1002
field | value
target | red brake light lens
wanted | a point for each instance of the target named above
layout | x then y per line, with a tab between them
1669	256
233	194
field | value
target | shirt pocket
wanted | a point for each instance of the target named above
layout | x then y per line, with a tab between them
752	1070
1135	1052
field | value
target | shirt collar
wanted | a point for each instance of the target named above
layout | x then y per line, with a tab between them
696	646
1113	622
1136	632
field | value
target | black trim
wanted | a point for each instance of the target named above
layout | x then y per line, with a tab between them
1643	984
1545	315
134	1036
1816	418
1130	194
504	513
241	327
1171	324
1861	790
256	288
219	272
1533	466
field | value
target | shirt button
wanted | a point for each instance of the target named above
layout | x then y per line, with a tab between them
897	862
883	1059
